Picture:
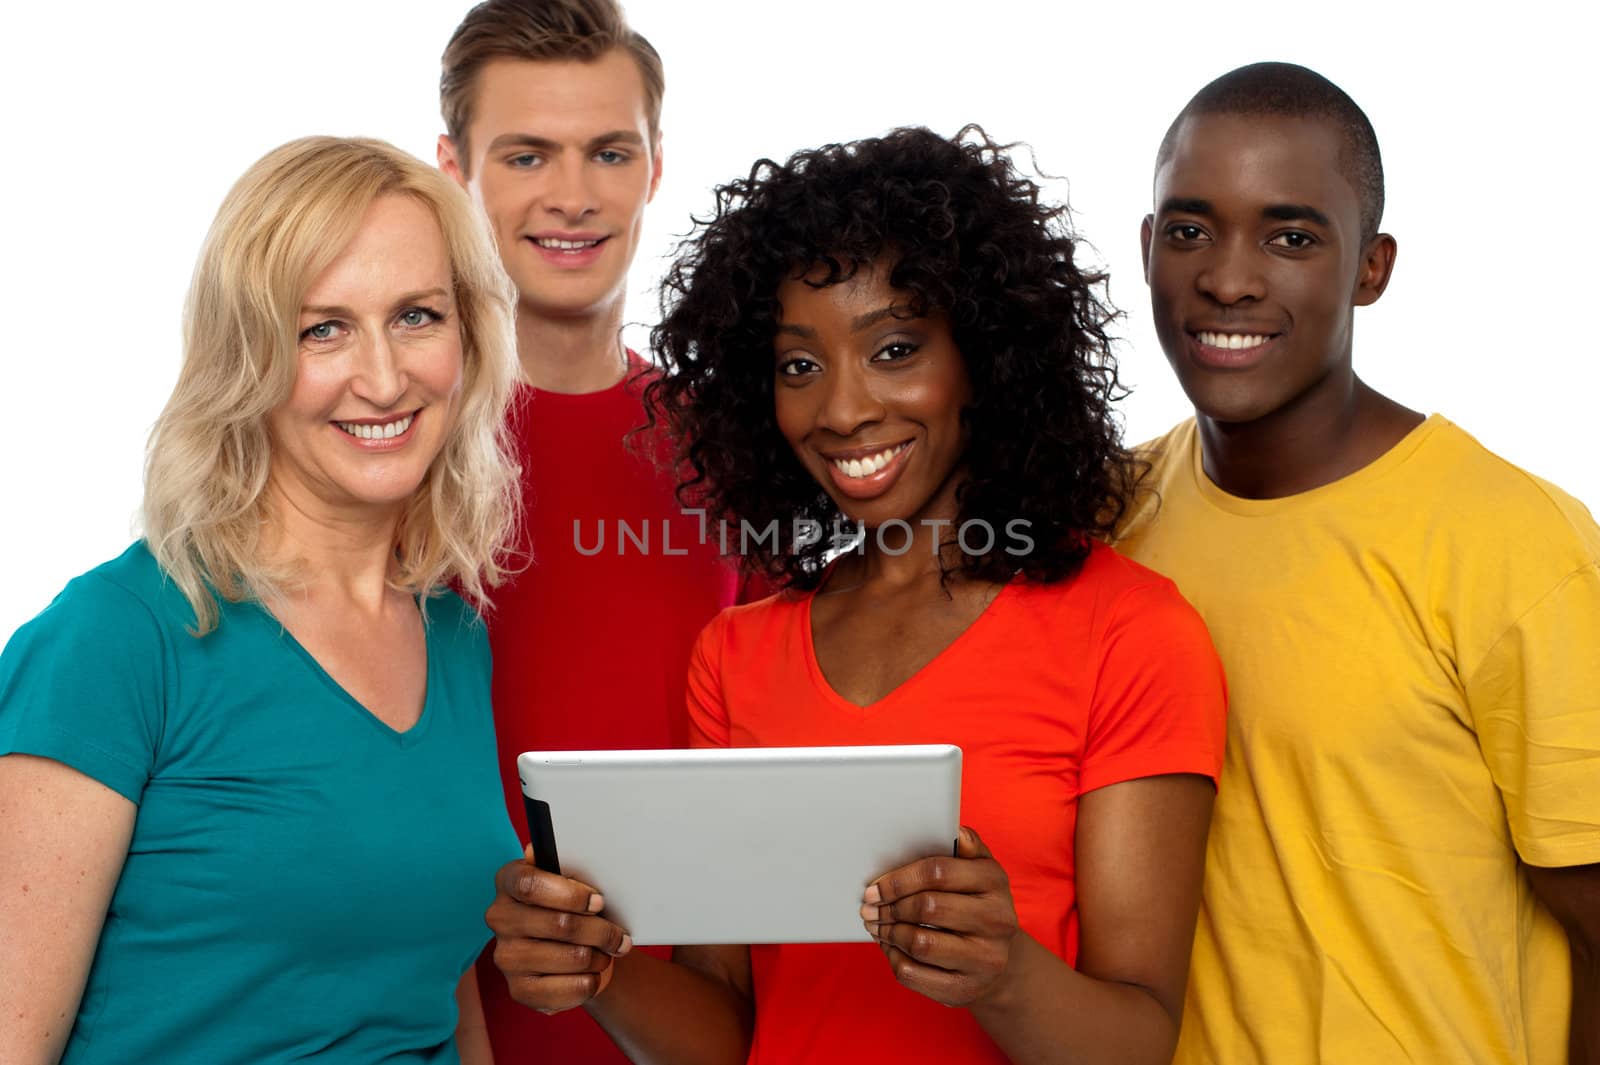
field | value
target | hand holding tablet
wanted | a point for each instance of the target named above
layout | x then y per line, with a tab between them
550	938
743	845
946	924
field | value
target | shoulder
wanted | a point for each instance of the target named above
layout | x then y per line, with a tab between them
744	621
1164	461
455	622
751	629
1108	568
448	609
1170	451
1490	496
640	375
641	369
751	649
88	682
1109	585
1115	610
129	594
520	409
1158	700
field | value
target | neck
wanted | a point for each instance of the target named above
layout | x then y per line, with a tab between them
1333	430
349	554
577	354
932	540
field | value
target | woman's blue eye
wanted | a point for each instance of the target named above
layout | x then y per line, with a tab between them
418	316
320	331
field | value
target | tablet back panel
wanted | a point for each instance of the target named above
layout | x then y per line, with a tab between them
740	845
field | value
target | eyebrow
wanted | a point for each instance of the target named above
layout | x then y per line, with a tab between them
1182	205
403	301
858	323
545	144
1277	212
1295	212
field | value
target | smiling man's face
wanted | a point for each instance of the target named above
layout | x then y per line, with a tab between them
1255	262
561	158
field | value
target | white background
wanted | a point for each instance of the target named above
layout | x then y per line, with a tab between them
126	124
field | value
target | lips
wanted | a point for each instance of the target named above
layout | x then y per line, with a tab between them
380	434
1232	341
570	251
865	462
1230	349
566	243
868	472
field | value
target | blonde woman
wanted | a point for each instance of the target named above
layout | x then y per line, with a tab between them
217	749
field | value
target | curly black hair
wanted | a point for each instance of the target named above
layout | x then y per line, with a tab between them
969	237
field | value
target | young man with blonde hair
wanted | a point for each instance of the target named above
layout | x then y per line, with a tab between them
552	114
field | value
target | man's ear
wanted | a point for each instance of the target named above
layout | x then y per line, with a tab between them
1147	229
450	160
1377	265
655	169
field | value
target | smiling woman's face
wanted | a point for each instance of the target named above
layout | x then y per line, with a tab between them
870	402
380	367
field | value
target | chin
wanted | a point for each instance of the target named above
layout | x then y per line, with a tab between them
875	513
397	501
564	306
1233	413
1217	402
396	494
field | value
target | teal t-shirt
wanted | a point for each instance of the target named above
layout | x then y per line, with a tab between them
303	882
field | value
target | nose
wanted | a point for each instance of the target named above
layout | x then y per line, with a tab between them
569	192
849	401
378	375
1232	273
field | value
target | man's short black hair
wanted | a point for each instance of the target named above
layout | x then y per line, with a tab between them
1291	91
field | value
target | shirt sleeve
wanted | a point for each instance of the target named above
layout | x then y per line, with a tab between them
82	684
1535	701
708	713
1160	702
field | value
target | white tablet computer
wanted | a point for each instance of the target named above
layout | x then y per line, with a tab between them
740	845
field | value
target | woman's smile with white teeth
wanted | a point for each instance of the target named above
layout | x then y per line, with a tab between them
871	464
385	431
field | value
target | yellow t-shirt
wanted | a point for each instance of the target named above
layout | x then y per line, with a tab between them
1413	664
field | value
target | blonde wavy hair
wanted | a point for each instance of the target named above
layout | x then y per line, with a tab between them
209	455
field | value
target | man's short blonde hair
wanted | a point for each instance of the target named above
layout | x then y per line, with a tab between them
581	30
206	472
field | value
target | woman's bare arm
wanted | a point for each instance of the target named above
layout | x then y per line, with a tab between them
949	930
63	839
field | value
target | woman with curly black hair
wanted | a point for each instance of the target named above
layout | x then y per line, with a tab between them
885	351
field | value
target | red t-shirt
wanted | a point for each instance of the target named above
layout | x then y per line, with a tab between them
591	640
1055	690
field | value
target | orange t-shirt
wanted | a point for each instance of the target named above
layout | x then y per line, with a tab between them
1055	690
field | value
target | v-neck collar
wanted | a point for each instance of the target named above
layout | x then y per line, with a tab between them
407	738
819	680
